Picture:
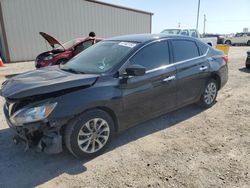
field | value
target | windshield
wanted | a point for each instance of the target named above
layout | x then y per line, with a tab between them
100	58
171	31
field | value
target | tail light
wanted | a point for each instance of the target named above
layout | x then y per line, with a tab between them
225	58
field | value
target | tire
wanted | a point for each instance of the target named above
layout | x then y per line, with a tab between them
62	61
82	139
228	42
248	66
209	94
248	43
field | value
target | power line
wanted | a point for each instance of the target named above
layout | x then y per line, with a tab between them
228	20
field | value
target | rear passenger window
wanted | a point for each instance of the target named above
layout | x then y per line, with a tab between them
152	56
184	49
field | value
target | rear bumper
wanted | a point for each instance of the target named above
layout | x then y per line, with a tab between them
39	135
248	58
223	76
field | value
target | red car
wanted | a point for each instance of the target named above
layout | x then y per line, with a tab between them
61	53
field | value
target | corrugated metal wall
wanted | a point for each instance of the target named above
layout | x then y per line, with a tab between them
64	19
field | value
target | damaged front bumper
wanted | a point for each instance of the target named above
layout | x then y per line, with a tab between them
39	135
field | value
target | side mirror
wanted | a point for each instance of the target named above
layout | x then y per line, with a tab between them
135	70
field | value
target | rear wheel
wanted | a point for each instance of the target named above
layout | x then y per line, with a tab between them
228	42
209	95
89	134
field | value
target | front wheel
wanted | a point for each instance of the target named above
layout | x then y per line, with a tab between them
209	95
89	134
228	42
248	43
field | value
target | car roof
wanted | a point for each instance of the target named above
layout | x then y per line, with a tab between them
144	38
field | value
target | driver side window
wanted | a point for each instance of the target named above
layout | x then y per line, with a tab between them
153	56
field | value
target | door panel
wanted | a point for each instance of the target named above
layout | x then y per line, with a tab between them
191	79
155	92
136	98
238	39
164	96
192	70
148	95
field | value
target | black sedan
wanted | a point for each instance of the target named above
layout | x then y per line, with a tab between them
111	86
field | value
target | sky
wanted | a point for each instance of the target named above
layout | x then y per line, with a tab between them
223	16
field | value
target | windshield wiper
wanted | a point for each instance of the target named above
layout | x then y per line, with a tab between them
73	71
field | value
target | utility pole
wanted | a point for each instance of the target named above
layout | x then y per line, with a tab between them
198	15
204	28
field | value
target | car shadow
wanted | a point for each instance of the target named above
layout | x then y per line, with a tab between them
31	169
244	70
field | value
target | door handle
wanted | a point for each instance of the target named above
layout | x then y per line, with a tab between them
203	68
169	78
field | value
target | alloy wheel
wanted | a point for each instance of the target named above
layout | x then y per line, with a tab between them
93	135
210	93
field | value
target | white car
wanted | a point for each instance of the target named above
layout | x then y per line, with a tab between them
239	38
212	41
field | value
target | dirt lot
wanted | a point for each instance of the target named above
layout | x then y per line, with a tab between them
190	147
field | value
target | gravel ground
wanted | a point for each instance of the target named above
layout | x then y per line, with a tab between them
190	147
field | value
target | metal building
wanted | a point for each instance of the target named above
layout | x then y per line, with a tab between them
22	20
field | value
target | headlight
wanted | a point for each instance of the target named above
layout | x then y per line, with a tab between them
48	57
33	114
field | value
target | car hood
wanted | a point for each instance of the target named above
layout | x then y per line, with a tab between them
43	81
51	40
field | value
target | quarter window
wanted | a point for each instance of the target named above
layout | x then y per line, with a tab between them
184	49
203	47
152	56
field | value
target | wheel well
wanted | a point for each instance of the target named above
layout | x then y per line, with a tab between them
103	108
217	79
112	114
210	44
